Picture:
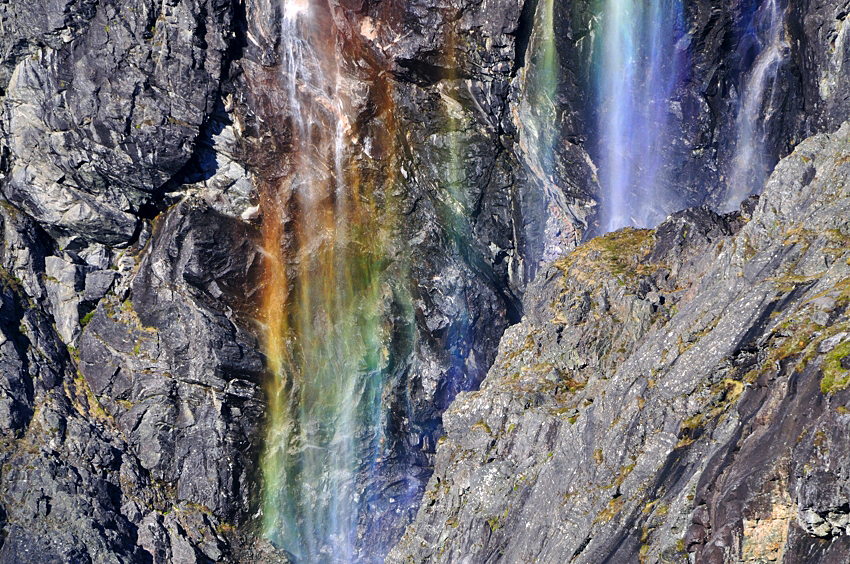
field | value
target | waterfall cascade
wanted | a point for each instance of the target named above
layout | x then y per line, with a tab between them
751	163
637	68
325	305
328	289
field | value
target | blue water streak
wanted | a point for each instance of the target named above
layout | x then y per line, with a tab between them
638	64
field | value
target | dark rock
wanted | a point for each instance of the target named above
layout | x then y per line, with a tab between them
72	489
104	106
822	49
173	362
97	284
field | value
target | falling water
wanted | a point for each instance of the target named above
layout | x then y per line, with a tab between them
750	162
326	301
537	111
637	65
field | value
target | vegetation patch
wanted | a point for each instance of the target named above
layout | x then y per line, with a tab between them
496	522
624	472
482	425
86	318
7	280
614	507
620	253
835	376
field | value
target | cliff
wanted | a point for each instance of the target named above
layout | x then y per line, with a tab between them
669	392
656	393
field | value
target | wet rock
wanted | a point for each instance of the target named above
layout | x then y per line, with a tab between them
653	367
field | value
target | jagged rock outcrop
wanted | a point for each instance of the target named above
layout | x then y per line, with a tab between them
102	105
139	443
669	392
180	378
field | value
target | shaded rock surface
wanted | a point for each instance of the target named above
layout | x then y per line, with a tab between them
178	376
670	393
137	444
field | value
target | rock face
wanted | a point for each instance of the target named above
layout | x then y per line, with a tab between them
662	392
102	104
178	376
132	409
671	392
138	443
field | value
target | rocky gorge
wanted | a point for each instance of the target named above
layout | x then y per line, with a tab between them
534	388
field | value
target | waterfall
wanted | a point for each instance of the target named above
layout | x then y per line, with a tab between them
751	162
325	308
637	65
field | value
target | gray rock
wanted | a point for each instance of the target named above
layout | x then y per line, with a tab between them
831	342
98	283
175	366
104	105
615	427
65	283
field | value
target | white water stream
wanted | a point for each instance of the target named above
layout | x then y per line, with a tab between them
757	105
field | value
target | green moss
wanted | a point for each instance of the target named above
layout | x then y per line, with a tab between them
92	405
496	522
624	472
614	507
619	253
482	425
86	318
693	423
649	507
13	211
835	377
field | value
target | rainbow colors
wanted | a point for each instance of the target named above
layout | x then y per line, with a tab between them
327	297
